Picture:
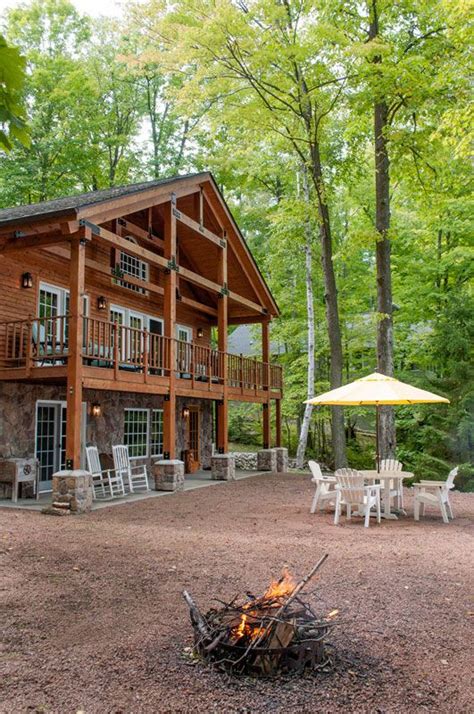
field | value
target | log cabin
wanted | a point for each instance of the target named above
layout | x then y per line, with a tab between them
114	314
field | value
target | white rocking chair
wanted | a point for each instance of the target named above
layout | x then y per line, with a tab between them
396	486
325	492
105	483
435	493
352	492
135	475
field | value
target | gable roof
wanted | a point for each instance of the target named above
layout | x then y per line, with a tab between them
68	204
72	206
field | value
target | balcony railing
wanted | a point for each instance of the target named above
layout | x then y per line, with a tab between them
44	342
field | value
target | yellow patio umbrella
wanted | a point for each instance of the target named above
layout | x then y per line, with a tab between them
376	390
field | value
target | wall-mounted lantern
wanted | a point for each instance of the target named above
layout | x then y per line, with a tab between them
27	280
200	332
185	413
102	302
96	410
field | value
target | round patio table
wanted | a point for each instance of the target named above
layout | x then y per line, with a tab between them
385	477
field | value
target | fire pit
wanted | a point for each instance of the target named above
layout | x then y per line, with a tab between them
275	633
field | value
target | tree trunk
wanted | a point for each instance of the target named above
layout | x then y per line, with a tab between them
308	249
387	439
332	311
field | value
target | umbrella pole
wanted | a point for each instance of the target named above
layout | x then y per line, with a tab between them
377	454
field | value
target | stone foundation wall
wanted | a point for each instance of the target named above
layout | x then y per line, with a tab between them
18	416
245	460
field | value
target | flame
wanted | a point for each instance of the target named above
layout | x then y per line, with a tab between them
277	589
240	631
282	587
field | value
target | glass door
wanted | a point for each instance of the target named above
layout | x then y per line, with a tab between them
50	446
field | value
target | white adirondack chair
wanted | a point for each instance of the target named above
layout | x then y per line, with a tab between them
105	483
352	492
396	486
135	475
434	493
325	492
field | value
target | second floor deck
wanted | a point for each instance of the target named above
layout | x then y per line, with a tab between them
124	358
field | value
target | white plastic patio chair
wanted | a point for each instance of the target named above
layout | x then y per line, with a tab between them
105	483
135	475
352	492
396	486
434	493
325	492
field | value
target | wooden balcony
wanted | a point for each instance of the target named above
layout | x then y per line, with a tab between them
127	359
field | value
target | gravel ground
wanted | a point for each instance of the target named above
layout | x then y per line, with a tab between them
93	619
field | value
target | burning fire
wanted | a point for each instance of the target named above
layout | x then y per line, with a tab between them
278	590
282	587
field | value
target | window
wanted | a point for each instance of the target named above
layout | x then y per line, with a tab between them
131	265
156	432
136	432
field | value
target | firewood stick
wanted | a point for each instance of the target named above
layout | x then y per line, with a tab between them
288	602
196	616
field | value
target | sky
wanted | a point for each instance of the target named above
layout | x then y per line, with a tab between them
111	8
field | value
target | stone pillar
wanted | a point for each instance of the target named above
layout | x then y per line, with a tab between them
282	459
267	460
72	493
169	475
223	467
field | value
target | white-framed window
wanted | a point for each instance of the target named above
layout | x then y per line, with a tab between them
53	302
156	432
143	432
184	333
136	432
131	265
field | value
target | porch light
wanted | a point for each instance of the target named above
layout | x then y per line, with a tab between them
200	332
185	413
96	410
27	280
102	302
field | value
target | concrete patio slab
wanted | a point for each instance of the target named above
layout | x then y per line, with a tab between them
200	479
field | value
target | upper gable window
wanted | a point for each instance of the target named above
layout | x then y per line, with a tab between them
131	265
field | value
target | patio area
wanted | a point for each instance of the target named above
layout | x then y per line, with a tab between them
93	617
199	479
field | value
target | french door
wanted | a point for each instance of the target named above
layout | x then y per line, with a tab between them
50	442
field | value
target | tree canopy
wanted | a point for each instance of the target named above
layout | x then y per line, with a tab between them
279	98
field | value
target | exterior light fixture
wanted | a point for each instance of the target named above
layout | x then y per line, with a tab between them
27	280
96	410
102	302
200	332
185	413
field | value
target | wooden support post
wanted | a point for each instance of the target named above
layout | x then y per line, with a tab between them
169	314
222	325
278	422
75	340
266	383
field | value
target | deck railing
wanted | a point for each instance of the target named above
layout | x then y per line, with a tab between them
44	341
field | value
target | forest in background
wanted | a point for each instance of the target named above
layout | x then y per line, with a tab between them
340	135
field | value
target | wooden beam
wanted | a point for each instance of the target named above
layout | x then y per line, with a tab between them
127	246
266	367
169	314
75	340
235	297
197	228
277	422
13	245
162	262
222	345
132	203
199	306
138	232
